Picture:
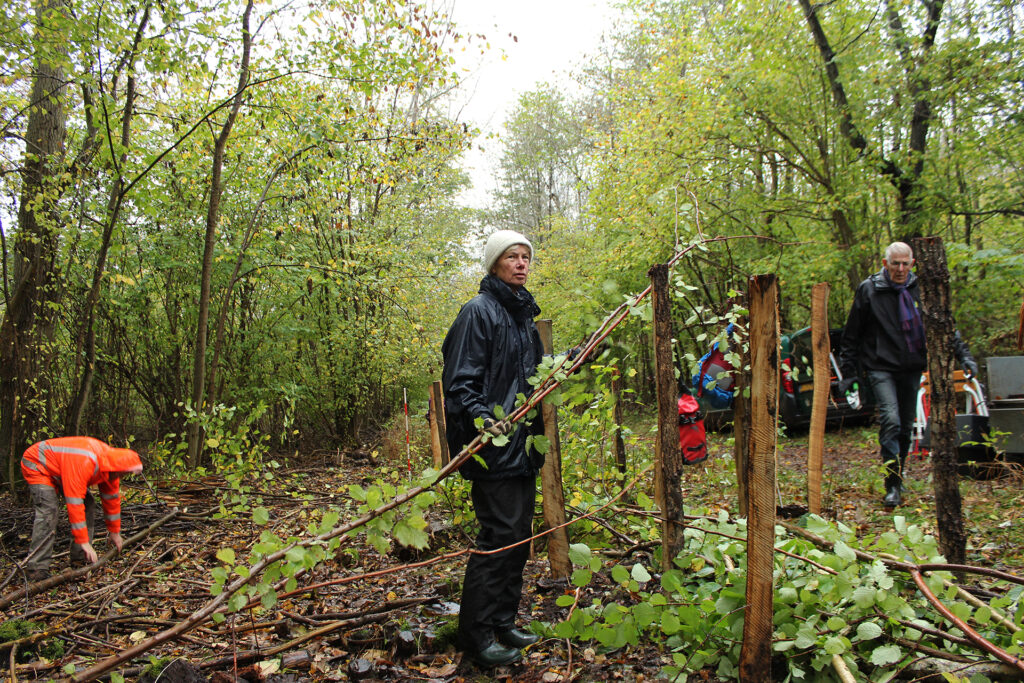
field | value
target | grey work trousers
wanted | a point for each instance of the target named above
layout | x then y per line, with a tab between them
46	502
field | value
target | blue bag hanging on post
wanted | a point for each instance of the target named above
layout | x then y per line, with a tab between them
714	381
692	437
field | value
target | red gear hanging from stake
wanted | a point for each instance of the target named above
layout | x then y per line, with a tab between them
692	436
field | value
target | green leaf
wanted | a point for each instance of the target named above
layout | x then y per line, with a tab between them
669	623
640	574
835	645
886	654
541	444
411	533
226	555
835	624
644	614
864	596
565	600
620	574
260	516
237	601
868	630
845	552
806	637
579	554
581	577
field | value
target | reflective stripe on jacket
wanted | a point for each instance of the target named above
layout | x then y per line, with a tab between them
72	464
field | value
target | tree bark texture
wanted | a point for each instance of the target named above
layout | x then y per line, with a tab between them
939	336
755	655
822	386
26	326
552	491
668	469
741	427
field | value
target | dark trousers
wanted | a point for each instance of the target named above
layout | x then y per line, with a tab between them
896	397
494	583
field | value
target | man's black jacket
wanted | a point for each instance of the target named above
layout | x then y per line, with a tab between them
873	339
491	350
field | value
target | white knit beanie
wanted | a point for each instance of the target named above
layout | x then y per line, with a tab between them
498	242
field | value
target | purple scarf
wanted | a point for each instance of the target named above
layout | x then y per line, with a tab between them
910	317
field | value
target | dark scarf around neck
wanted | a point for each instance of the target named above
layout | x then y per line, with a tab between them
910	318
518	302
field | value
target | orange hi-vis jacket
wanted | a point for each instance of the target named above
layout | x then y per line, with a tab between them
74	463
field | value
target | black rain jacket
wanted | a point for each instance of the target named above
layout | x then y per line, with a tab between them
491	350
873	339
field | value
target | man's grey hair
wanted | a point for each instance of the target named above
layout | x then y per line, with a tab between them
898	249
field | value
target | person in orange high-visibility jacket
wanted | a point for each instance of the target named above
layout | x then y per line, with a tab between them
68	466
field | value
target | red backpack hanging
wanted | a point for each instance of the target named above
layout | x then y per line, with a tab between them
692	438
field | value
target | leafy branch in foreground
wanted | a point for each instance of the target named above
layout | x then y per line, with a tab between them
833	602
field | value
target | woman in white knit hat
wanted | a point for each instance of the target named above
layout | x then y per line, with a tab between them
491	350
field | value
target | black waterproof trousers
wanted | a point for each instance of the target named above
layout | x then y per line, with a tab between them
494	583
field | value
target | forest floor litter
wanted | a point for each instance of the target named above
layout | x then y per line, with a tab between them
399	625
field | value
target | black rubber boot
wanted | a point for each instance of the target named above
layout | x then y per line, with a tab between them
893	490
513	637
496	654
893	497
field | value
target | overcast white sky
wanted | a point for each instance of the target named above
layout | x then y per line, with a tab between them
551	37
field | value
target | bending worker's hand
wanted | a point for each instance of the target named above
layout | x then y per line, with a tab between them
970	368
495	427
90	553
116	540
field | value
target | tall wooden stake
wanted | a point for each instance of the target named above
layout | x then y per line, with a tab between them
438	437
755	655
820	346
551	480
668	490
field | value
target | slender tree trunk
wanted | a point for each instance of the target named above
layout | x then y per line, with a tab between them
905	179
73	423
25	327
212	218
939	331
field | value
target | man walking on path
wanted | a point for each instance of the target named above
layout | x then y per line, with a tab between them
884	339
490	352
68	466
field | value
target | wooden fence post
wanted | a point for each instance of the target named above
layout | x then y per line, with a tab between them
821	346
553	496
668	469
755	654
438	437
